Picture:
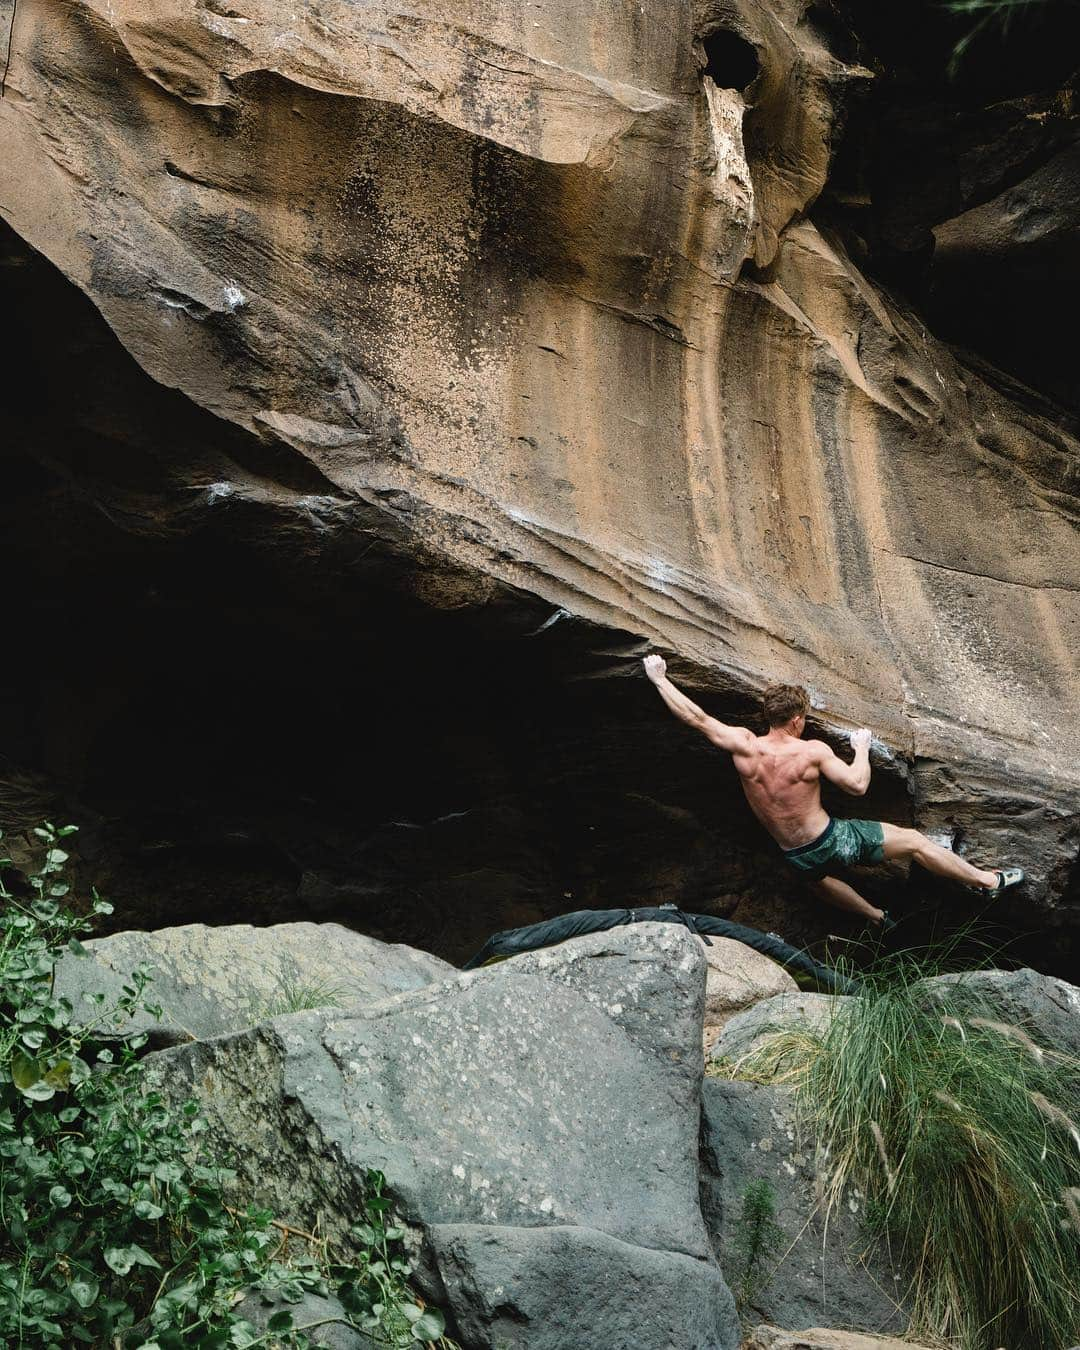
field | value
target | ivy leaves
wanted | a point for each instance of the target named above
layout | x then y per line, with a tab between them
116	1231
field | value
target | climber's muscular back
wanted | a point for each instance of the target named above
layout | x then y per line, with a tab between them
782	780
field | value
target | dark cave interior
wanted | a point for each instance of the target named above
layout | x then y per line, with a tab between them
929	139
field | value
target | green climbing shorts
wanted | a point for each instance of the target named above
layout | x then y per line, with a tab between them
842	843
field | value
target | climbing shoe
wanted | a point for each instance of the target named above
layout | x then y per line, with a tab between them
888	924
1007	876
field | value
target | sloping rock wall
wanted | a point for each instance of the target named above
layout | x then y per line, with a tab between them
528	298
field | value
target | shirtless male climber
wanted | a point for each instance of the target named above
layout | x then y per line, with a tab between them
781	776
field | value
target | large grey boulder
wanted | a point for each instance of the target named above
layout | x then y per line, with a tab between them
823	1270
1044	1008
595	1292
537	1122
208	980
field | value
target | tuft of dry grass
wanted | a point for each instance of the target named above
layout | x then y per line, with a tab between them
782	1058
961	1132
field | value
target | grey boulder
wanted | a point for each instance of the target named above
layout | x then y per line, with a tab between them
1042	1007
537	1122
209	980
828	1272
749	1030
315	1314
595	1291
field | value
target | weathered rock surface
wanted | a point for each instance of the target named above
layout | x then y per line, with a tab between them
828	1272
818	1338
545	315
1042	1007
210	980
259	1306
557	1287
547	1107
747	1031
738	977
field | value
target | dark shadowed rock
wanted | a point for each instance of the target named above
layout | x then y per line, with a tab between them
558	1091
552	1288
827	1272
209	980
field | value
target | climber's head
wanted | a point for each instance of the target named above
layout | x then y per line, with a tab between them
785	705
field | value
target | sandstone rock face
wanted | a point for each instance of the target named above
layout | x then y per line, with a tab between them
473	285
537	1122
209	980
818	1338
828	1272
738	978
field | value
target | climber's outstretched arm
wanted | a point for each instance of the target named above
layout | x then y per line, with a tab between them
853	777
732	739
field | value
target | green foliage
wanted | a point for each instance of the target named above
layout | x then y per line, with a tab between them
295	996
758	1239
960	1132
114	1230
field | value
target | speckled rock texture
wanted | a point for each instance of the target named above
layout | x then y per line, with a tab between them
209	980
527	296
829	1273
547	1107
738	978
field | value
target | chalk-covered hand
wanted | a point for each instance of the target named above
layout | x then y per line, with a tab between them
655	667
861	739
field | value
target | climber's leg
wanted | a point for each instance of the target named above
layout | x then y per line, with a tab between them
842	896
905	843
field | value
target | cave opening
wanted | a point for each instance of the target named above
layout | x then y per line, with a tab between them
241	745
731	62
255	715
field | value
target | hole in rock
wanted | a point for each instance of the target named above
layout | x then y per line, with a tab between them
730	61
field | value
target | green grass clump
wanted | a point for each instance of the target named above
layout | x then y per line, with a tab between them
757	1239
295	996
990	16
960	1131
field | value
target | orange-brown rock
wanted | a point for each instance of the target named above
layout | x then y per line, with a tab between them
539	302
819	1338
737	978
